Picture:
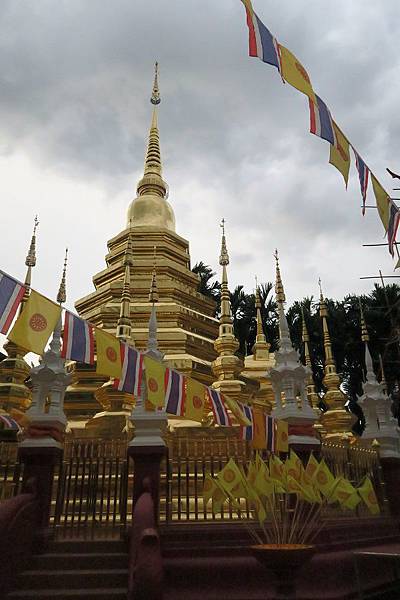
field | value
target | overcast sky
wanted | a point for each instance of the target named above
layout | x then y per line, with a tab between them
76	78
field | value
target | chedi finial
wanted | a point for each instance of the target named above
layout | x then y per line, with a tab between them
62	290
155	95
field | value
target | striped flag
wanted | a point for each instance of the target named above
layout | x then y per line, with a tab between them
78	339
321	122
218	407
270	433
394	218
246	433
11	294
261	41
132	370
175	396
363	173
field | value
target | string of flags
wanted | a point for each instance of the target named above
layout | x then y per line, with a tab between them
265	46
167	389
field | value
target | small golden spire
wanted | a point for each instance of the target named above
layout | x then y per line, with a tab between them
124	326
30	262
152	182
323	312
153	295
364	330
260	330
279	291
224	256
62	290
306	340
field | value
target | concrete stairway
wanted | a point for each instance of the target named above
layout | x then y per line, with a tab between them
95	570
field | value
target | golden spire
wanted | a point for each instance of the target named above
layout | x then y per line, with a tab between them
330	365
311	389
279	291
30	262
62	290
225	320
261	346
227	365
285	343
153	295
336	421
152	182
124	327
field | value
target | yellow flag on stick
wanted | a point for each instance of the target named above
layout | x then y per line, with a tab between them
367	493
230	476
294	73
382	201
195	400
108	350
323	479
259	441
155	381
35	324
340	157
346	494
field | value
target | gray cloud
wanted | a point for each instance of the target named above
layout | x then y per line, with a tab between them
75	86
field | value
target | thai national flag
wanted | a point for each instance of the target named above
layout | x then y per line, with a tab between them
218	407
246	433
175	395
132	370
11	294
261	41
321	122
78	339
394	219
270	432
363	173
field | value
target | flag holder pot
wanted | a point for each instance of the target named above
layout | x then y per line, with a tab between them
284	560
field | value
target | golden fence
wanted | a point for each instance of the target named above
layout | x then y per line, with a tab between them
11	470
93	484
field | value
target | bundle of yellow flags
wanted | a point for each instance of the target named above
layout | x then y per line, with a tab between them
268	487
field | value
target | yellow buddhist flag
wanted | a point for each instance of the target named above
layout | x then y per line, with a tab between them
259	441
276	467
195	400
382	201
282	436
155	381
339	156
367	493
295	74
258	507
230	476
263	483
323	479
235	409
35	323
108	350
312	466
346	494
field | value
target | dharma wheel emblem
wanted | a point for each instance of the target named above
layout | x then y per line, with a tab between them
197	402
153	385
229	475
38	322
111	354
